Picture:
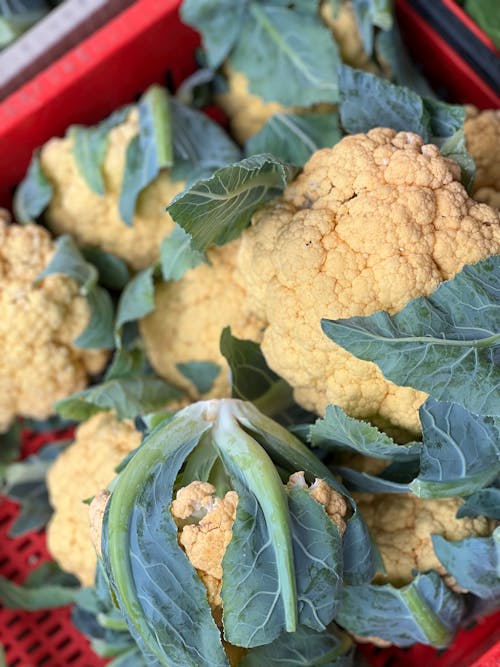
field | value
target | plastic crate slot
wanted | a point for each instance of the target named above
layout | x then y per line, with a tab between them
3	562
33	647
74	656
24	633
6	518
52	631
15	662
13	621
43	617
24	545
44	660
13	574
62	644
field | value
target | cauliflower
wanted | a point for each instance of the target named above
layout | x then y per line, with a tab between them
401	526
81	471
95	220
371	223
189	316
482	133
40	363
334	504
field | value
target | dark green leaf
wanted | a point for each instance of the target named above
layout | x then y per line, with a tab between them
294	138
148	152
446	344
201	373
50	573
425	611
51	592
10	448
370	14
337	432
287	56
113	272
460	451
485	13
127	396
482	503
137	299
363	482
69	261
33	194
99	332
216	210
126	363
473	562
178	255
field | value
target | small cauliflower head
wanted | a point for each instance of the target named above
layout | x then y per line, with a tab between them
482	133
95	220
402	525
377	220
39	362
189	317
79	473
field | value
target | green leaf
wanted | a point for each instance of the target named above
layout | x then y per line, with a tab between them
213	18
47	589
89	148
338	432
370	14
287	55
113	272
425	611
10	448
303	648
446	344
482	503
201	373
127	396
177	255
460	451
25	482
294	138
473	562
137	299
99	331
148	152
363	482
485	14
127	362
33	194
217	209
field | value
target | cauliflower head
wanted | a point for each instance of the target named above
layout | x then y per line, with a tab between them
189	317
40	364
371	223
80	472
482	133
401	526
95	220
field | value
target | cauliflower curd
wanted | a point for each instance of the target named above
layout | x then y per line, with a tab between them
40	363
95	220
482	132
371	223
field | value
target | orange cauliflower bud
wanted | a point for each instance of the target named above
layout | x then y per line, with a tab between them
482	133
95	220
189	317
401	526
79	473
371	223
334	504
40	363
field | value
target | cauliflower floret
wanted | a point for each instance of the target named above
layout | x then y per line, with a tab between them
40	363
401	526
482	133
334	504
189	316
95	220
80	472
371	223
205	525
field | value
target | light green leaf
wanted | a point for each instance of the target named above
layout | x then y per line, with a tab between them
287	55
216	210
48	589
137	299
201	373
370	14
177	255
33	194
127	396
294	138
337	432
425	611
98	333
485	13
446	344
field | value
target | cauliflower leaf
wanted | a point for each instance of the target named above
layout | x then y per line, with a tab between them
33	193
47	587
485	502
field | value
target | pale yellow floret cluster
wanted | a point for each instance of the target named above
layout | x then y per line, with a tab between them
189	316
371	223
79	473
402	525
40	363
95	220
482	133
334	504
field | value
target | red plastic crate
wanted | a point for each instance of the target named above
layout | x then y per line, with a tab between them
147	43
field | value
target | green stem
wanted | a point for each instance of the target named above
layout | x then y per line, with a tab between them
437	634
278	398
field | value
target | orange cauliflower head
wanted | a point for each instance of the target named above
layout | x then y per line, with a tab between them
40	364
79	473
402	525
482	133
371	223
95	220
189	317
